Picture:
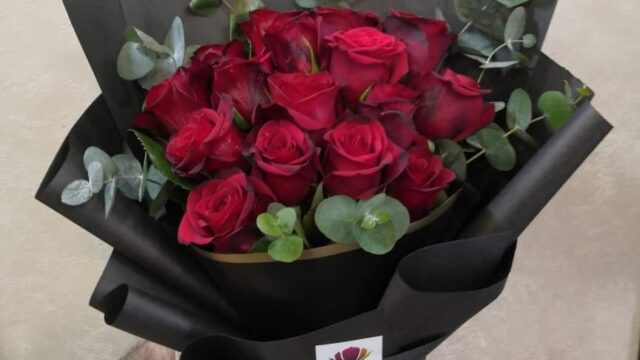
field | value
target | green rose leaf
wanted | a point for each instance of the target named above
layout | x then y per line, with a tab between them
94	154
529	41
268	225
335	217
109	197
475	43
519	110
287	219
498	150
96	176
134	61
499	64
260	246
176	42
512	3
76	193
287	249
514	29
129	175
556	108
158	159
453	157
204	7
240	122
137	36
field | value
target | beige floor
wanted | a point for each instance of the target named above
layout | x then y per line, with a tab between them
575	289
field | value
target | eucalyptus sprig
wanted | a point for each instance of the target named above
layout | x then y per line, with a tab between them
284	238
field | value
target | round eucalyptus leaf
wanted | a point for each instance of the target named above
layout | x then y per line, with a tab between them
96	176
395	213
512	3
335	217
154	183
368	206
129	175
307	4
274	207
529	41
109	197
175	40
499	64
145	177
514	28
476	43
137	36
499	106
94	154
453	157
76	193
134	61
390	224
287	219
379	240
519	110
268	225
556	108
204	7
498	150
287	249
522	59
162	70
484	14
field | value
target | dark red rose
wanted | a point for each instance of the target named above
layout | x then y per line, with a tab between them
396	97
427	40
216	54
259	21
245	82
208	143
352	353
419	185
292	40
309	99
222	207
365	56
451	106
169	103
286	159
330	20
359	158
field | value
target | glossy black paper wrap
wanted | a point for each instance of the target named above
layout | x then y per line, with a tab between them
416	296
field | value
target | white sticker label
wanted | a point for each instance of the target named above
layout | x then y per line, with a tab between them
370	349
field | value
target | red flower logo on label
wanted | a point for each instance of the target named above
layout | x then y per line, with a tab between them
352	353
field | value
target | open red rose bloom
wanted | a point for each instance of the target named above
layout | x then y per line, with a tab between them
328	96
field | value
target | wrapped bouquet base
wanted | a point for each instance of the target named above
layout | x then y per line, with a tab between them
230	307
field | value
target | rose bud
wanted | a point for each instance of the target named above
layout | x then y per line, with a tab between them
309	99
427	40
352	353
419	185
245	82
330	20
385	97
361	57
360	159
169	103
215	54
259	21
451	106
220	208
292	40
286	159
209	142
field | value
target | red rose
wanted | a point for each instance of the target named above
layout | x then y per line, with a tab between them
451	107
259	21
364	56
286	159
386	97
220	208
309	99
209	142
330	20
215	54
169	103
359	159
291	40
419	185
244	81
427	40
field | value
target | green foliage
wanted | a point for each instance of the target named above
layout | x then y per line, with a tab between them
497	148
310	4
499	64
109	197
475	43
375	224
512	3
556	108
77	193
284	238
514	29
519	110
204	7
159	201
485	15
529	41
286	248
453	157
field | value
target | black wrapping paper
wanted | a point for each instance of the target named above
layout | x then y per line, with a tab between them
416	297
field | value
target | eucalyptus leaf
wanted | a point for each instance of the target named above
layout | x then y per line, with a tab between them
247	6
499	64
204	7
158	159
512	3
137	36
189	52
438	14
129	175
109	197
475	42
335	217
155	181
287	219
94	154
96	177
268	225
76	193
134	61
498	150
175	41
318	196
514	28
369	205
143	181
485	15
529	41
499	106
568	91
162	70
556	108
307	4
477	58
526	138
519	110
453	157
260	246
520	57
379	240
287	249
160	200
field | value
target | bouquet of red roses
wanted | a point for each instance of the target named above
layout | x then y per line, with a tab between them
310	162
